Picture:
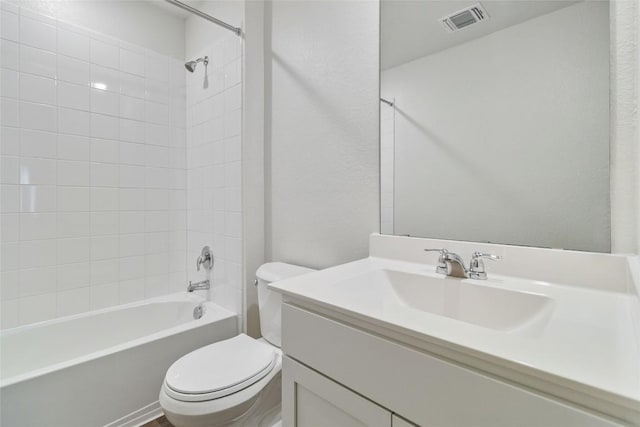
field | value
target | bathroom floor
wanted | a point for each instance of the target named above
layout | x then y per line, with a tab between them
158	422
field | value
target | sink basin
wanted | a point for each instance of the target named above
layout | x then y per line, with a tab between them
463	300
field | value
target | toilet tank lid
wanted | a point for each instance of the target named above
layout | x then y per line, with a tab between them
274	271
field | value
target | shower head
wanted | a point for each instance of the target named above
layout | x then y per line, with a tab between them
191	65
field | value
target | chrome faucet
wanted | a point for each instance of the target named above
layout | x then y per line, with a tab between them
198	286
451	264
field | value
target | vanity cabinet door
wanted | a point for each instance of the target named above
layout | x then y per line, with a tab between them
310	399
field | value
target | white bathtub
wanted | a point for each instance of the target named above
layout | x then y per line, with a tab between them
103	367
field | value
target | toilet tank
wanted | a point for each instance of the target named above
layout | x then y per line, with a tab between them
270	302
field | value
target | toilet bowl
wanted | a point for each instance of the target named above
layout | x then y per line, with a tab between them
236	382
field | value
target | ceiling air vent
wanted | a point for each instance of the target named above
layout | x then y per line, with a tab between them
464	18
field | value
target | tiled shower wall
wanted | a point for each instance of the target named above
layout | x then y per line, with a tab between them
214	126
93	169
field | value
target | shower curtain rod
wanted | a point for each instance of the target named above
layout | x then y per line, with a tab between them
195	11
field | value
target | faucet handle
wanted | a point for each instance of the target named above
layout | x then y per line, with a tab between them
476	268
442	265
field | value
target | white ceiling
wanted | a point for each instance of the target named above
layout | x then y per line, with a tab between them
411	29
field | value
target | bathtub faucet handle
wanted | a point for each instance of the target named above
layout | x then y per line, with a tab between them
205	259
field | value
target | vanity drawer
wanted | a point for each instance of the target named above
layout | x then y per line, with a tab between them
422	388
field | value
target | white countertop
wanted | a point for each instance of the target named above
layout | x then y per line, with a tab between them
590	337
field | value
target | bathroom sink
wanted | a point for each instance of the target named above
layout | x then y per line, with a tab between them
463	300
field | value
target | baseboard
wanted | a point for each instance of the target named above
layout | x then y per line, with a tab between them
139	417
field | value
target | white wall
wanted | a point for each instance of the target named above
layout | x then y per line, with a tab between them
322	171
625	153
93	170
200	33
214	156
134	21
506	138
253	157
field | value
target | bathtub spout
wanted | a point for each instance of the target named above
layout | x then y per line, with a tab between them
198	286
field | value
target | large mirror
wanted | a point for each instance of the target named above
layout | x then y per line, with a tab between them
495	122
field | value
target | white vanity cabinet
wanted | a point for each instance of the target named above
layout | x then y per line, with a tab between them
312	400
335	374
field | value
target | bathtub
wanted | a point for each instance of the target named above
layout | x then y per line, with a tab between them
105	367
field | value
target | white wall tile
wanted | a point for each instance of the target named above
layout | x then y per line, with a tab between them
74	250
9	26
105	54
72	276
104	102
157	91
72	199
10	256
73	70
9	54
10	223
156	67
38	198
11	198
156	113
105	271
37	226
74	44
9	83
71	95
131	268
156	134
74	173
34	143
132	62
132	108
9	145
37	308
37	281
132	130
132	245
37	253
38	171
93	169
104	199
36	61
131	290
103	78
106	127
132	199
9	285
74	122
37	34
74	147
132	154
74	224
104	175
105	151
103	296
38	116
73	301
132	176
132	85
9	112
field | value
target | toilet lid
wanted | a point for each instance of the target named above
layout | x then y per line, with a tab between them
220	369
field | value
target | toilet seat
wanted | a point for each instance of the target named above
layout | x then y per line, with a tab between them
219	369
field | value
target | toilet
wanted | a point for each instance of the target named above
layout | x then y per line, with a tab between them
235	382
